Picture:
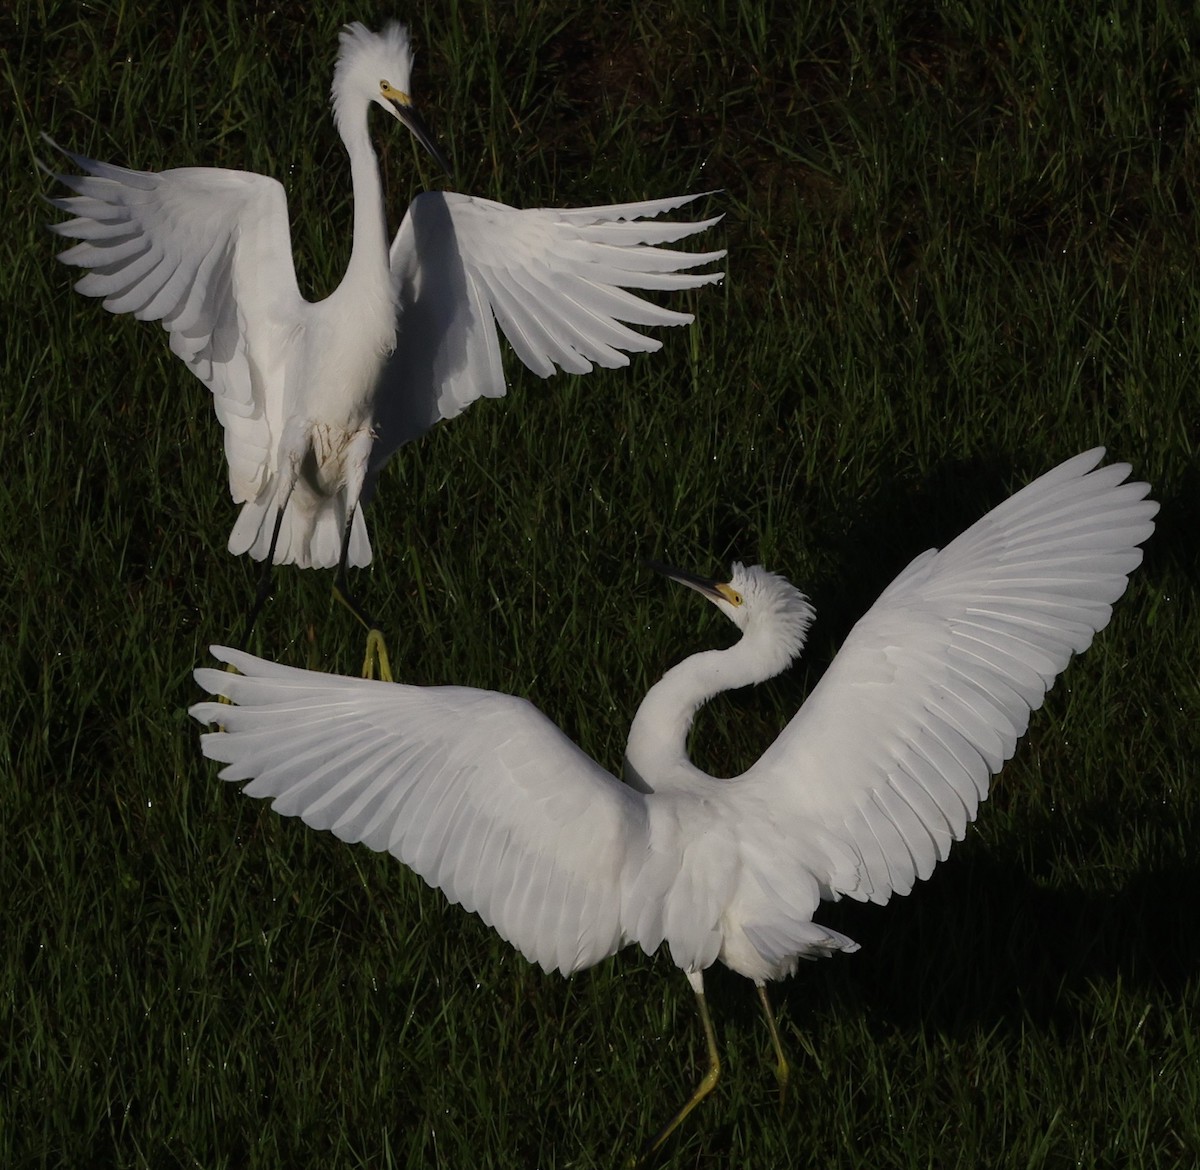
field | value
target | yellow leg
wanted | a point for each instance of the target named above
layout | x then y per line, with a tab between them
230	669
782	1069
703	1089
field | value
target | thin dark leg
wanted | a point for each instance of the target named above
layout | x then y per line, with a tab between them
261	594
264	584
376	658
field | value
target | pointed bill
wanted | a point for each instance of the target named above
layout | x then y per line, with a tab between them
708	587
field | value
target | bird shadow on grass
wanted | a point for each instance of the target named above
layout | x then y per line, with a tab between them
987	946
986	943
987	951
873	539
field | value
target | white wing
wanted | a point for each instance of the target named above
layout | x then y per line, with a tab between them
557	282
207	252
478	792
887	760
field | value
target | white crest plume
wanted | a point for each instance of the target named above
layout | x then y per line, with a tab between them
861	794
366	58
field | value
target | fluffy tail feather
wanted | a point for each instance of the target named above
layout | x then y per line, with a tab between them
311	539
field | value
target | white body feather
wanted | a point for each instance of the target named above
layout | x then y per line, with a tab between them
862	793
309	399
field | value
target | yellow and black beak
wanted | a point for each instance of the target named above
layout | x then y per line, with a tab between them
708	587
404	109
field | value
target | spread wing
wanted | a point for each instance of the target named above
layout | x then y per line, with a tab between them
556	281
885	763
476	791
208	253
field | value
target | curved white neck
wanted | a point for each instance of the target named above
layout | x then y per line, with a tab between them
656	756
368	270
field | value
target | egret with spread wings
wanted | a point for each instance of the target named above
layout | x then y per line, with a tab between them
314	397
862	793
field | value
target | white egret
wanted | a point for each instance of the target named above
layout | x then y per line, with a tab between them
861	794
314	397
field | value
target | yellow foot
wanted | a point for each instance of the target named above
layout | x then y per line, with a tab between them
377	658
225	698
705	1087
652	1147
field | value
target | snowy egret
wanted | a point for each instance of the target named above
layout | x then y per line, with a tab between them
862	793
314	397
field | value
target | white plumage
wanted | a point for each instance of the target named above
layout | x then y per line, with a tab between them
310	400
861	794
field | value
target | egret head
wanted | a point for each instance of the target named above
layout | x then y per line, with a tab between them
756	601
377	67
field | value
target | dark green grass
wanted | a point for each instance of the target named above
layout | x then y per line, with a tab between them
962	248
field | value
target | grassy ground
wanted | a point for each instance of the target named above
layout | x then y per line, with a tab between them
962	248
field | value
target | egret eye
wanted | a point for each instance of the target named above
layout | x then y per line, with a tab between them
730	594
311	417
883	746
